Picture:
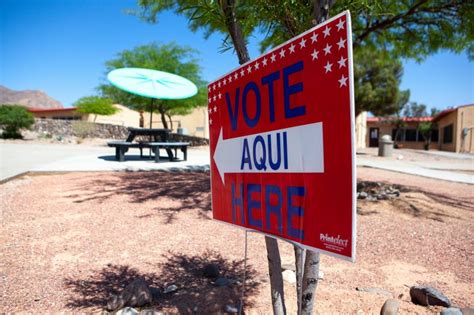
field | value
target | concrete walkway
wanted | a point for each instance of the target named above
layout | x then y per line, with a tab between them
20	157
428	170
441	165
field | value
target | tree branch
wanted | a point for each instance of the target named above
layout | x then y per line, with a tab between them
406	17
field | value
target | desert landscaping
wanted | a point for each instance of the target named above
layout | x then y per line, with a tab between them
237	157
72	240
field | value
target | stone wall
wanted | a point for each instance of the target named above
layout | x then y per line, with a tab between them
195	141
83	129
78	128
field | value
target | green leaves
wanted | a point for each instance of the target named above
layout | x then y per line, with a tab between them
13	118
384	29
95	105
377	78
171	58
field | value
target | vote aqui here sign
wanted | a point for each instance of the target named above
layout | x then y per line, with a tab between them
282	142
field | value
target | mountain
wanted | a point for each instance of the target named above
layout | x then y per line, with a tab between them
28	98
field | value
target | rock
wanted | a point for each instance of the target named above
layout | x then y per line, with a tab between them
155	293
467	311
137	293
289	276
127	311
231	309
382	196
375	291
427	296
362	195
451	311
390	307
395	192
170	289
151	312
210	271
222	282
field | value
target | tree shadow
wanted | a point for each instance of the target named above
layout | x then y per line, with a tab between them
189	189
429	208
195	294
465	204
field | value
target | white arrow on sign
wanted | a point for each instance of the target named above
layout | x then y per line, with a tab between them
301	151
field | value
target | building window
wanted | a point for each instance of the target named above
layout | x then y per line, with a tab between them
434	135
448	134
410	135
397	134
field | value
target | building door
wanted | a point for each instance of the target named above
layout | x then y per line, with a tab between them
373	137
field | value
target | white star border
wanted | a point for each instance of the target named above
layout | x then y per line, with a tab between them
307	40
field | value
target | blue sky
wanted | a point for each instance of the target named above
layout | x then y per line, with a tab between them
60	47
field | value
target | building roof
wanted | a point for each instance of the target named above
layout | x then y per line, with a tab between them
448	111
47	110
405	119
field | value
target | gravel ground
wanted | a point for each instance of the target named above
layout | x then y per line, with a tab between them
70	240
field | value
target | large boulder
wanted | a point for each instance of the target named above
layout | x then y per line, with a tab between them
210	271
390	307
427	296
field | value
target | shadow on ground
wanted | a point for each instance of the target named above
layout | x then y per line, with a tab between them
191	190
417	202
195	294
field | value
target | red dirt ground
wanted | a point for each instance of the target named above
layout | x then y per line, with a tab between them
69	240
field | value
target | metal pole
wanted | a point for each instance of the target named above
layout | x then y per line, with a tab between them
241	306
151	122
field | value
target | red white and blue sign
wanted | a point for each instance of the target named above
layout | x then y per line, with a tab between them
282	142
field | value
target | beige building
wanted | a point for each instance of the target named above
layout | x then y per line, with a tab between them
56	113
453	130
194	124
124	117
407	136
456	129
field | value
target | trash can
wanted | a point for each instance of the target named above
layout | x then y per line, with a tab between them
386	146
182	131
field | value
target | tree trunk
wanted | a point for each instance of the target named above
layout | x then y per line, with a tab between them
171	121
276	278
235	31
299	264
141	122
273	253
162	111
321	10
310	282
311	265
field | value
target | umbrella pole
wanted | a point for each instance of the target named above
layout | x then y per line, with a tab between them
151	112
151	121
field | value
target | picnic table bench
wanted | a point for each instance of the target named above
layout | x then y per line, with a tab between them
158	140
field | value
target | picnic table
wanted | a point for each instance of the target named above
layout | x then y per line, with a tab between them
158	138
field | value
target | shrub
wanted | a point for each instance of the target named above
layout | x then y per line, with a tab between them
12	119
83	129
95	105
